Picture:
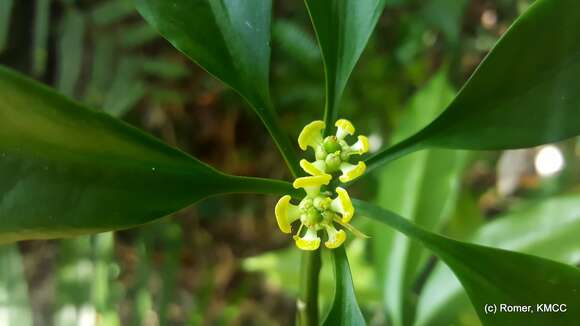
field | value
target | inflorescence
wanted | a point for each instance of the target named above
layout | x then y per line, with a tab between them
318	210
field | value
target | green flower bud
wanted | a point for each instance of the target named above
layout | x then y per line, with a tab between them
305	204
328	216
322	203
331	144
333	162
312	217
320	153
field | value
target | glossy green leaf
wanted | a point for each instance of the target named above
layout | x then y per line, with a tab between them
231	40
68	170
343	28
523	94
406	188
344	309
496	276
548	229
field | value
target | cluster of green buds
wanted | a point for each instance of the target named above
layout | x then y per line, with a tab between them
321	209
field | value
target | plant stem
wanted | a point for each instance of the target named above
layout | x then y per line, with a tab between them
308	301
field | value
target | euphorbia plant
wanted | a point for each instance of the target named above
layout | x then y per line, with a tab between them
67	170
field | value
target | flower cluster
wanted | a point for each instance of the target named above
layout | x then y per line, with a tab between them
318	210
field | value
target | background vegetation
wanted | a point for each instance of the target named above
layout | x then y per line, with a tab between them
223	260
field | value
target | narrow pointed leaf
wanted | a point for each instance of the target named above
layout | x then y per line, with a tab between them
495	276
344	309
547	229
68	170
343	28
524	93
231	40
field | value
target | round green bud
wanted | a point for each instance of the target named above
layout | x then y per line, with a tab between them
305	204
312	217
320	153
333	162
322	203
328	216
331	144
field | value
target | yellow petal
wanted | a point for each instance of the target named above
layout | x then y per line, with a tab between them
309	242
312	184
286	213
335	237
351	172
361	146
344	127
343	205
311	135
316	168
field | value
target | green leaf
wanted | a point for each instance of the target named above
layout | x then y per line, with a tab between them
5	15
343	28
68	170
495	276
231	40
111	11
293	40
40	40
126	89
523	94
548	229
344	309
446	16
399	260
70	51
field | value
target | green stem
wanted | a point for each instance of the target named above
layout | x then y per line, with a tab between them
308	301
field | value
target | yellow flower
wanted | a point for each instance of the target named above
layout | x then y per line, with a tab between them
316	212
333	152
